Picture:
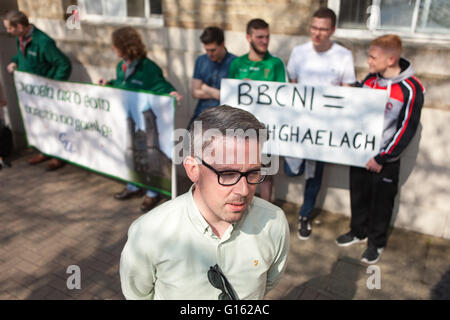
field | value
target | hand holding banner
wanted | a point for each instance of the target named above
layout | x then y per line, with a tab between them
120	133
332	124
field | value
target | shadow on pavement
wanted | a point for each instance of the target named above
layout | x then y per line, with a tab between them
441	291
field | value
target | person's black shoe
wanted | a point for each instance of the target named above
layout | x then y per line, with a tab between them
149	203
371	255
348	239
304	228
38	159
127	194
54	164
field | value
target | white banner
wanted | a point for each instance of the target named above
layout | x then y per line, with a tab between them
124	134
332	124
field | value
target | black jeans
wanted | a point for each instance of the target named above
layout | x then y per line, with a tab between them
372	198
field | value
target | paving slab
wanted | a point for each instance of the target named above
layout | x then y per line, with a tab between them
51	220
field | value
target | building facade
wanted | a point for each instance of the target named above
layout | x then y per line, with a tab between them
171	30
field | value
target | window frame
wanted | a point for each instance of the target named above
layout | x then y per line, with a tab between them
153	20
367	33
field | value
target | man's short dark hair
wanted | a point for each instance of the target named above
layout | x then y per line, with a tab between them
256	24
211	35
326	13
16	17
226	119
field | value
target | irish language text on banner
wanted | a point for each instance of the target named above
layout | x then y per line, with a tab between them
120	133
332	124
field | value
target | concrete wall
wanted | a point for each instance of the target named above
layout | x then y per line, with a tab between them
284	16
7	91
423	197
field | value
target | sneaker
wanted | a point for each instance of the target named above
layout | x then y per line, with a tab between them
371	255
348	239
304	228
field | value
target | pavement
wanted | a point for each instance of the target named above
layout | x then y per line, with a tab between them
53	220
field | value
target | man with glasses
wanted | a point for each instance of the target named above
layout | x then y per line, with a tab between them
320	62
217	241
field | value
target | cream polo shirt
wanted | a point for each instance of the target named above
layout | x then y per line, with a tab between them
170	249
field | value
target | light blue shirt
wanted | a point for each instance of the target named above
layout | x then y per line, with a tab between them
211	73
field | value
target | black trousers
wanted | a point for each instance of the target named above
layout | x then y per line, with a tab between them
6	141
372	198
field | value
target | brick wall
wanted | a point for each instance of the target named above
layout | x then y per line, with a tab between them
422	204
284	16
48	9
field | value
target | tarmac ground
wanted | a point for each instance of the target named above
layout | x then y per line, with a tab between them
53	220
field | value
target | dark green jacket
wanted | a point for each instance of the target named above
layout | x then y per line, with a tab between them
146	76
42	57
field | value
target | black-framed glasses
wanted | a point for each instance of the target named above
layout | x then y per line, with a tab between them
219	281
231	177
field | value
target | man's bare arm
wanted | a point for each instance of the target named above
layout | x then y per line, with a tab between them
200	90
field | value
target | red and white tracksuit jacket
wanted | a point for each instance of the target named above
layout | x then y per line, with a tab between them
402	112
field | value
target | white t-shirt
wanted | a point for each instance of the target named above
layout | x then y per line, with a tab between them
332	67
309	67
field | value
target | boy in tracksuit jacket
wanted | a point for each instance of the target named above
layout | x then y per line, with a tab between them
36	53
373	189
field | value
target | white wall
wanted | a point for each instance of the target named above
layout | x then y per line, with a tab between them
422	203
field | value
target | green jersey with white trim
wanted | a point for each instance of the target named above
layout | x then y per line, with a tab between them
270	68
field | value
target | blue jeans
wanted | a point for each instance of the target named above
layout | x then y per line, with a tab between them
312	186
150	193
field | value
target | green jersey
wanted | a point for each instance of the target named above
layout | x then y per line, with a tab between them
270	68
42	57
146	76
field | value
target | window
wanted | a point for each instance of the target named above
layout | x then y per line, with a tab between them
121	11
405	16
